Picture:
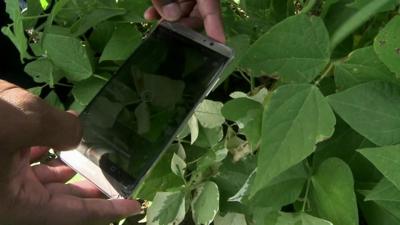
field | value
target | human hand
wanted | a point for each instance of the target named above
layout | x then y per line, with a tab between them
38	194
192	13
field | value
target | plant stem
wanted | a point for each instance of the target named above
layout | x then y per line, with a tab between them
305	200
307	8
325	74
35	17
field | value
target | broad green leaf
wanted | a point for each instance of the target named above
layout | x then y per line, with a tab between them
167	208
209	137
205	204
343	144
387	161
194	129
387	197
361	66
86	90
295	50
387	45
178	166
376	215
372	109
135	10
94	17
282	190
101	35
53	99
248	115
326	6
384	191
69	54
208	113
280	218
232	175
359	4
160	178
230	219
123	42
42	71
296	118
332	193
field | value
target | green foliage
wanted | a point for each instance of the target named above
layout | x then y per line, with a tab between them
267	148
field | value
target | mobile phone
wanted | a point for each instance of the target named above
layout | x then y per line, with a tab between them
137	114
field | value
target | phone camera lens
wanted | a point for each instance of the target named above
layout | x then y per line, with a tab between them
211	43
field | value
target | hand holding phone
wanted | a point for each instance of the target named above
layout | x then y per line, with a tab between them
138	113
192	13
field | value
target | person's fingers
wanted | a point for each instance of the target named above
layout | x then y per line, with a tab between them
192	22
82	189
28	121
168	9
151	14
53	174
210	11
186	7
37	152
79	211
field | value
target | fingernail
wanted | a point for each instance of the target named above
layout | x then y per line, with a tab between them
172	12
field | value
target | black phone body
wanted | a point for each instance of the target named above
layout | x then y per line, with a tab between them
138	113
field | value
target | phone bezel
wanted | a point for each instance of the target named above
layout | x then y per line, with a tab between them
94	173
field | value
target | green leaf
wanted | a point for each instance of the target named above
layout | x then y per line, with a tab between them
296	118
36	90
292	219
178	166
248	115
387	161
123	42
240	44
384	191
53	99
230	219
372	109
42	71
135	10
209	137
359	4
205	204
160	178
387	45
282	190
295	50
101	35
86	90
194	129
69	54
332	193
387	197
167	208
94	17
13	9
211	157
208	113
356	20
18	38
361	66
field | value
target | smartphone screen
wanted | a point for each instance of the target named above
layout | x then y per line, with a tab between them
139	111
